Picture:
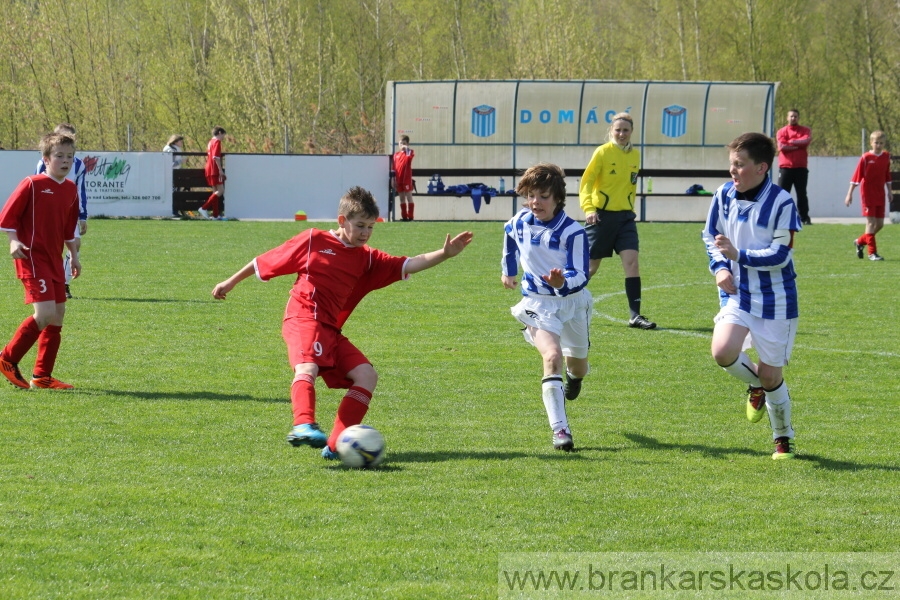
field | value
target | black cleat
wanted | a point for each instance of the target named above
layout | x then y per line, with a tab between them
573	387
641	322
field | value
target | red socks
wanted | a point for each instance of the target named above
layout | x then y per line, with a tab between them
22	341
868	239
303	399
212	203
48	348
412	210
351	412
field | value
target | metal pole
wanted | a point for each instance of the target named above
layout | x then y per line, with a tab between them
129	137
287	141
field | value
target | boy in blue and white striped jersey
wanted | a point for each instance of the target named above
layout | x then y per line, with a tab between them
556	305
749	236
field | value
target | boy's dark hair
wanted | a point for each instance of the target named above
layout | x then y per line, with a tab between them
217	130
545	177
358	202
51	140
794	110
404	139
758	146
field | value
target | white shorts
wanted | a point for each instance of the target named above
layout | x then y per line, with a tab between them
772	338
568	317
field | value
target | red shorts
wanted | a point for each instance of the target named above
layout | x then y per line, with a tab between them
214	180
42	290
876	211
309	341
402	188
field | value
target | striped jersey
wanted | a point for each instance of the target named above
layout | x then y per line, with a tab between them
764	271
560	243
76	174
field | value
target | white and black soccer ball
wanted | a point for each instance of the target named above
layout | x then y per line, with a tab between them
895	217
361	447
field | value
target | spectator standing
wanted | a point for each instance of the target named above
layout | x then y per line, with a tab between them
793	160
175	144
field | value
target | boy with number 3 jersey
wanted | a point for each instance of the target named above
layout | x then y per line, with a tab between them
40	218
335	270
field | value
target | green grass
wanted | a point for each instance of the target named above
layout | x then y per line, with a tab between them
165	474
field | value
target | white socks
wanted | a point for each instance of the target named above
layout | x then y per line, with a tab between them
744	370
778	405
554	402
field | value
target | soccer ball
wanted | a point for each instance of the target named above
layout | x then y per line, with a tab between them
361	447
895	217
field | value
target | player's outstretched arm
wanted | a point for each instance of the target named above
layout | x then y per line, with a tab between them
451	248
221	290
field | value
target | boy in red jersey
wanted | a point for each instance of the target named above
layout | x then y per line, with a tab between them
40	217
335	270
401	178
215	174
873	176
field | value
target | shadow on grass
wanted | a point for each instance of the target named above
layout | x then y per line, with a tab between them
151	300
198	395
712	451
825	463
438	456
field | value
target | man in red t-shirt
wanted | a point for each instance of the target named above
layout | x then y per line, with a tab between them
873	176
40	218
335	270
401	178
215	174
793	141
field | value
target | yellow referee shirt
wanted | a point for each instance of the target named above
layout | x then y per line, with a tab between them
610	180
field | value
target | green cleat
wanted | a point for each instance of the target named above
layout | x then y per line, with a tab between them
756	404
784	449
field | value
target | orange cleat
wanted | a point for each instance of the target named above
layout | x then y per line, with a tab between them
50	383
11	371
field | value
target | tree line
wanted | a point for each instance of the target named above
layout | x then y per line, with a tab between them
309	76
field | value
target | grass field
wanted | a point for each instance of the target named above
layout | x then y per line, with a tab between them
166	474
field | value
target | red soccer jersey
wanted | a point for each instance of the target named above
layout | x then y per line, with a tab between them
332	277
403	169
44	214
797	158
872	173
213	151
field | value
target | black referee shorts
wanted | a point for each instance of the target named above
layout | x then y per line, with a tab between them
613	231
